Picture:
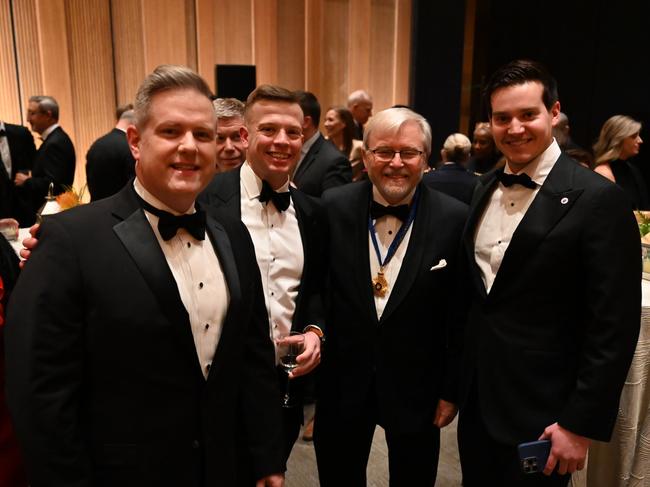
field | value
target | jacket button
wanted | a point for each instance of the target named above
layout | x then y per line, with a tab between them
195	444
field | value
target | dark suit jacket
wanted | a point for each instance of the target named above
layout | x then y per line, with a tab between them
109	165
554	338
103	378
54	163
323	167
454	180
22	151
405	358
223	195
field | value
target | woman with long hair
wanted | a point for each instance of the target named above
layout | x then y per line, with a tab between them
339	130
619	141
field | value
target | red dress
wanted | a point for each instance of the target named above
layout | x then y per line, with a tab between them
12	472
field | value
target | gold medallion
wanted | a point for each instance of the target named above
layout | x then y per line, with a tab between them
380	285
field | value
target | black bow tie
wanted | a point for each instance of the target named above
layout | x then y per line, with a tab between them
280	200
169	224
378	210
2	132
509	179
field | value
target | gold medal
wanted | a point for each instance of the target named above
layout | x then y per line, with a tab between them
380	285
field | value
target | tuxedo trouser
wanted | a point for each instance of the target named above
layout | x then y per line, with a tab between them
484	461
343	447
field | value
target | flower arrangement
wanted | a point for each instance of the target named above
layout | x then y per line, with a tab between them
70	197
643	220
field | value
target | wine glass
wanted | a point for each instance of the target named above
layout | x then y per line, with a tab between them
289	346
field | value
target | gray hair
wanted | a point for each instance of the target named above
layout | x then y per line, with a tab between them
166	77
228	108
358	96
46	104
392	120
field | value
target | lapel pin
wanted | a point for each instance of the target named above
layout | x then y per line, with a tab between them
564	200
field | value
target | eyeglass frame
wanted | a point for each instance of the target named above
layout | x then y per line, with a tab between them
374	153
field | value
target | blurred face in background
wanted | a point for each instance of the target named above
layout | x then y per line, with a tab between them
483	143
630	146
231	149
333	124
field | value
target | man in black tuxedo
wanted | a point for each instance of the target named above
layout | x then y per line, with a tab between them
137	341
321	165
360	105
288	229
17	152
55	159
552	257
389	358
109	162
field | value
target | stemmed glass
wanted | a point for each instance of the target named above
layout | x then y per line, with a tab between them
289	346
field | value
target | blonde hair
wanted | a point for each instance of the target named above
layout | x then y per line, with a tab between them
614	131
166	77
457	148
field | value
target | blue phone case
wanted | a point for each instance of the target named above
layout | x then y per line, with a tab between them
533	455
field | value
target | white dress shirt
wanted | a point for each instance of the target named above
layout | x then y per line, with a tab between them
503	213
278	249
199	278
386	229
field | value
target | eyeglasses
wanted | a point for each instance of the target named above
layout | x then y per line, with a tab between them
386	154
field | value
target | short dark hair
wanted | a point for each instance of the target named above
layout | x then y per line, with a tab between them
269	93
519	72
310	106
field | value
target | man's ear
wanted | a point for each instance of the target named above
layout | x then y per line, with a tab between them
133	138
243	134
307	122
365	155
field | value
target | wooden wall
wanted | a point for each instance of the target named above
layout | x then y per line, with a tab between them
91	55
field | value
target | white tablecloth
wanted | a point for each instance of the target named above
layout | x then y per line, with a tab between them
625	460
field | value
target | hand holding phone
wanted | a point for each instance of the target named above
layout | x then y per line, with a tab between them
533	455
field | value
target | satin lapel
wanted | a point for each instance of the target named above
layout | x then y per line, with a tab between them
481	197
305	225
553	201
224	193
223	248
361	204
140	242
309	157
423	243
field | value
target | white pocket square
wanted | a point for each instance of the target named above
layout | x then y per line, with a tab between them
439	265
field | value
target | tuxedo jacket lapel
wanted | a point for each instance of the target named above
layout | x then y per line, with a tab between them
479	201
360	213
224	193
139	240
553	201
422	246
309	157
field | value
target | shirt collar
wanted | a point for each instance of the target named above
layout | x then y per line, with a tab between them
308	143
253	184
539	168
46	133
155	202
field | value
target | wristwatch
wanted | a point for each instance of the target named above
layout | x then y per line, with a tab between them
315	329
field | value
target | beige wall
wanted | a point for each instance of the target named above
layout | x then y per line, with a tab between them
92	54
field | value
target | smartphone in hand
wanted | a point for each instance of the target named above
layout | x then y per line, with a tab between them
534	455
